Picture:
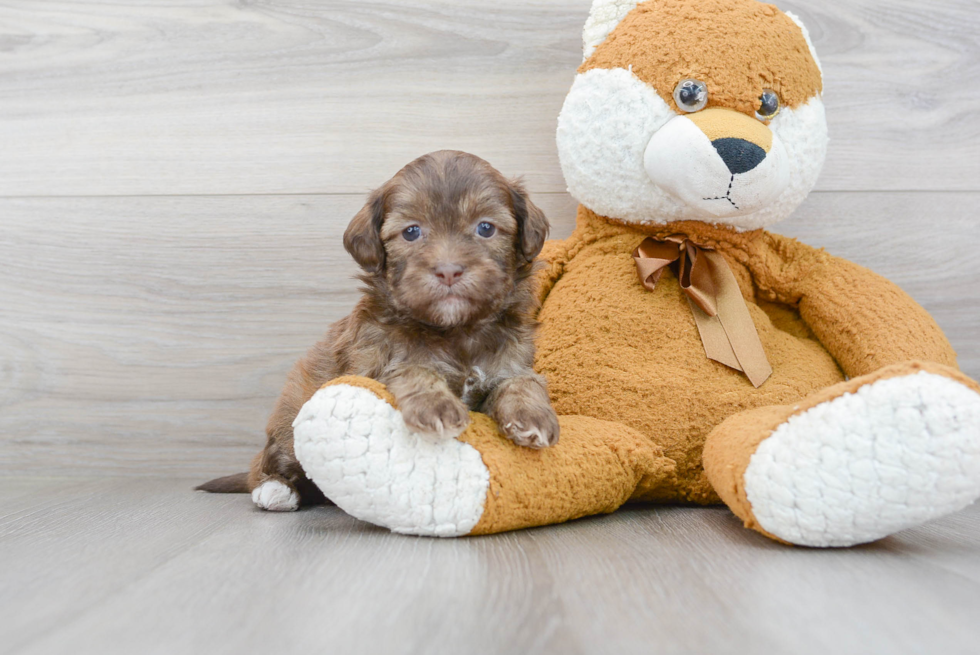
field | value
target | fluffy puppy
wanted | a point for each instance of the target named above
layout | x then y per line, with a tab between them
447	248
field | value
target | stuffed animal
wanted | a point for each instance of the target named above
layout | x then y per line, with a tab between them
693	357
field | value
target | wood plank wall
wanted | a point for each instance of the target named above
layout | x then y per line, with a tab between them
175	178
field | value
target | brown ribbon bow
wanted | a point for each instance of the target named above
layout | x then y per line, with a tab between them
726	328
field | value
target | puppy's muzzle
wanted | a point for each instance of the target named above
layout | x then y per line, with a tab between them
720	161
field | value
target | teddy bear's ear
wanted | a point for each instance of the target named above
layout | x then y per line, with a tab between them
603	19
806	35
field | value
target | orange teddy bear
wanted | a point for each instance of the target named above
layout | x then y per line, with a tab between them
692	356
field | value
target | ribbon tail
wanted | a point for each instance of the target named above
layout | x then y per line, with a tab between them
735	320
727	332
717	345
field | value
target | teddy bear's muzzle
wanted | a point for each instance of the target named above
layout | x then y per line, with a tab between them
718	161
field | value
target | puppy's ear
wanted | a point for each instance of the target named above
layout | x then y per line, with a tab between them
363	236
532	224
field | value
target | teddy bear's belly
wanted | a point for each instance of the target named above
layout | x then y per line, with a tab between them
614	351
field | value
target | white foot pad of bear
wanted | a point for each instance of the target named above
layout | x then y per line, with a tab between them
357	449
897	453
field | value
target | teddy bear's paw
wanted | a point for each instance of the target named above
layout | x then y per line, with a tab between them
898	452
358	450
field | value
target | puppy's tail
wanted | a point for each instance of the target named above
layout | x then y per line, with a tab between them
230	484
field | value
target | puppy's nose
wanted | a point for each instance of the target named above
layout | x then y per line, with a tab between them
449	274
739	155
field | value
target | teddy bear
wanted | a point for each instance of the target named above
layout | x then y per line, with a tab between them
693	357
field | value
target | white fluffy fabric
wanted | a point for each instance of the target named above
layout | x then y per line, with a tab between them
604	127
607	124
603	18
897	453
358	450
681	160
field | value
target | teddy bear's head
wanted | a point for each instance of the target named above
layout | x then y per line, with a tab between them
705	110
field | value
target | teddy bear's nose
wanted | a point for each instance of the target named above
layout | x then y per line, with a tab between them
739	155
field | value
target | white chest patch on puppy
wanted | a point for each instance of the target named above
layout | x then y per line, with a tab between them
357	449
897	453
474	388
275	497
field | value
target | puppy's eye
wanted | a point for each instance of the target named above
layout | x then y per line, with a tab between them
691	95
768	105
412	232
486	230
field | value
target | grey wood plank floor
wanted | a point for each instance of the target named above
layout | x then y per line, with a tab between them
147	566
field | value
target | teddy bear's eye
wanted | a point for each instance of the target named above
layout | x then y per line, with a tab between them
691	95
768	105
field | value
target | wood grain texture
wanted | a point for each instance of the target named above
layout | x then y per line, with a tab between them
291	96
152	335
146	566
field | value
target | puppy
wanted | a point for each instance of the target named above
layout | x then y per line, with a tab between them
447	318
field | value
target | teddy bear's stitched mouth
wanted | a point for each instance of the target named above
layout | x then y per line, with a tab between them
728	193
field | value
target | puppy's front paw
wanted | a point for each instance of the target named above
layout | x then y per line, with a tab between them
530	426
442	414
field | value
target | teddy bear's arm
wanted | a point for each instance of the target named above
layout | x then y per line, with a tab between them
865	321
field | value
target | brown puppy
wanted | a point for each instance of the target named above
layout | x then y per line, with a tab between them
447	248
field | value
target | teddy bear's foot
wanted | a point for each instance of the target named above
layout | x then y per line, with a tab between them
863	460
356	447
353	443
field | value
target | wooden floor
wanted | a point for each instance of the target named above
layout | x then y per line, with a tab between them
144	566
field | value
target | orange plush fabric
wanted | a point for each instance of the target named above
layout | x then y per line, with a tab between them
615	351
730	445
587	475
645	415
715	41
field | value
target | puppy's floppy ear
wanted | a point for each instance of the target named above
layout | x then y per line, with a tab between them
532	224
363	236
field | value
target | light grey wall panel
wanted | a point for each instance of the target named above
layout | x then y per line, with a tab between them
291	96
157	277
143	335
152	334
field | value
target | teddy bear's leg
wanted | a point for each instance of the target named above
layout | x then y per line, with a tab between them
353	443
854	462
